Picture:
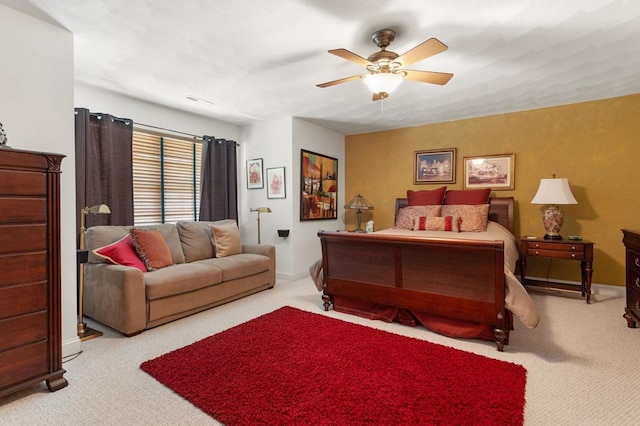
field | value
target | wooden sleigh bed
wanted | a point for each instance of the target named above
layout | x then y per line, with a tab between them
457	279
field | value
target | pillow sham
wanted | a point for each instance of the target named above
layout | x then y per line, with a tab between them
407	215
426	197
121	252
151	248
443	223
225	238
467	196
474	218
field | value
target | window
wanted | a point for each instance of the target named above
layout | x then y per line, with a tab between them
166	178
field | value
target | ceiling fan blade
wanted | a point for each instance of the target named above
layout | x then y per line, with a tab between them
342	80
440	78
379	96
422	51
350	56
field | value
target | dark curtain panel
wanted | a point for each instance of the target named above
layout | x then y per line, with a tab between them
219	197
104	173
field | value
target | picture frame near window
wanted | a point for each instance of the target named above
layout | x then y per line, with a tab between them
319	186
276	187
434	166
255	178
490	171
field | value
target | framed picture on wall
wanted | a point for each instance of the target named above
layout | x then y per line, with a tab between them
319	186
490	171
254	174
276	183
434	166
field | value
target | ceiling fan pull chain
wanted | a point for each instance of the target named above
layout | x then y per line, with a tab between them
381	107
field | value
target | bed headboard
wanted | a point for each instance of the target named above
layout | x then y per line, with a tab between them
500	210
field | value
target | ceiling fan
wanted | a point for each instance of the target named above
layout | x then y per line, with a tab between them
387	69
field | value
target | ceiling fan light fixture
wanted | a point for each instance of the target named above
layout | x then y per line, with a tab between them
382	82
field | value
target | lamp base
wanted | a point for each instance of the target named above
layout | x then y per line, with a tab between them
85	333
552	237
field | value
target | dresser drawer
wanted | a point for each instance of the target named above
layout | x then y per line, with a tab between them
24	329
23	299
16	182
23	363
556	254
633	279
23	268
23	210
633	260
23	238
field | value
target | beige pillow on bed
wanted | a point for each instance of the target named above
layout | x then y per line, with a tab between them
407	215
474	217
225	238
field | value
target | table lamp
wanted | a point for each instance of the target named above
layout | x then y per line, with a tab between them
553	192
359	203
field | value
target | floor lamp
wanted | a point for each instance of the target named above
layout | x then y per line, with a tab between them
84	332
260	210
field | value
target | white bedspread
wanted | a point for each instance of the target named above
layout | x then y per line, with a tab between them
517	300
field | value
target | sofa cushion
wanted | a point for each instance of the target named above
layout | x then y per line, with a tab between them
239	265
151	248
195	238
121	252
226	239
181	278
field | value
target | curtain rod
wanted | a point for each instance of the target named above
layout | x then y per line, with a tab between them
169	130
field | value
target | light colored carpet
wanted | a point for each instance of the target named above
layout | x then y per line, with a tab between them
582	363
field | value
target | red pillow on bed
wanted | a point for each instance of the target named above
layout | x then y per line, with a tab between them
468	196
444	223
426	197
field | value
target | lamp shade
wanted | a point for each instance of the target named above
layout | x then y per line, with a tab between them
383	82
554	191
358	203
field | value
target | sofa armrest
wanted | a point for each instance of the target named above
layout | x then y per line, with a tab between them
265	250
115	296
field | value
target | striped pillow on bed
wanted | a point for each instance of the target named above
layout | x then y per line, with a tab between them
431	223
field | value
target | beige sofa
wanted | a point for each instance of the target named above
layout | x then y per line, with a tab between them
130	301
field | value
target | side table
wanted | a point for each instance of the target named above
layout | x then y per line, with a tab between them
581	250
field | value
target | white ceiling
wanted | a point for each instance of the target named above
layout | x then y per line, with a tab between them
249	60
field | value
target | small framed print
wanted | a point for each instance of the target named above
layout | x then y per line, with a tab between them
435	166
276	183
254	174
490	171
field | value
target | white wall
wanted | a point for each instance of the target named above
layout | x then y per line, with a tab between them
271	141
312	137
36	109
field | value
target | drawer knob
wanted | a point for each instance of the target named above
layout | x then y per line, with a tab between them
638	305
637	261
537	252
573	255
638	282
538	246
573	247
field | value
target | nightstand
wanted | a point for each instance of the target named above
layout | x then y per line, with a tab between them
559	249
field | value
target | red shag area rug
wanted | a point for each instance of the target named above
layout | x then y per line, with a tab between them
292	367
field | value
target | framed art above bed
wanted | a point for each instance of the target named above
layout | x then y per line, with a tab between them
490	171
434	166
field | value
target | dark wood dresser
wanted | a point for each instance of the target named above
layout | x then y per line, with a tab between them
631	240
30	279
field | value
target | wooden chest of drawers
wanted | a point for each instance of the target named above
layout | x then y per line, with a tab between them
30	321
631	240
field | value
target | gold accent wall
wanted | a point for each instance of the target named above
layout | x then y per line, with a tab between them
596	145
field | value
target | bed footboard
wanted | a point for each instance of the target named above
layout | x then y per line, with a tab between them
452	278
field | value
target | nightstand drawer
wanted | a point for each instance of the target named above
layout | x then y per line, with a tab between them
633	301
556	246
556	254
633	279
633	260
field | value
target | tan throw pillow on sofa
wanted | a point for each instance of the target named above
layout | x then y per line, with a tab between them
226	239
151	248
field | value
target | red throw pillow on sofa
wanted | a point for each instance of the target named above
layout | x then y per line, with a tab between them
426	197
468	196
151	248
121	252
